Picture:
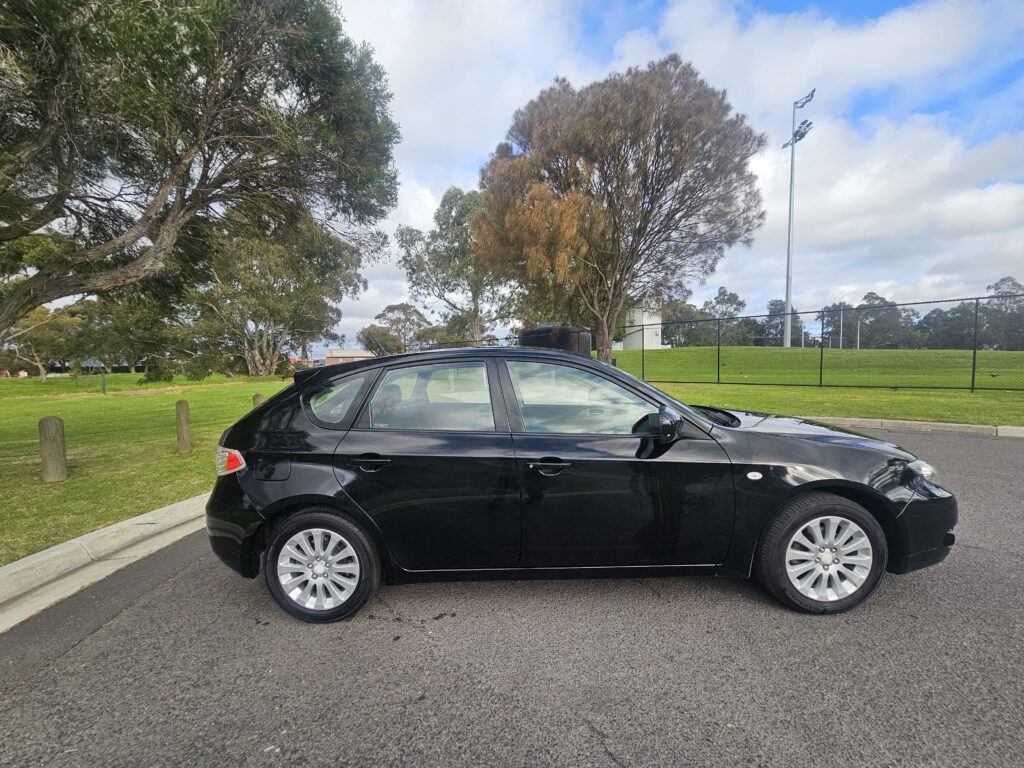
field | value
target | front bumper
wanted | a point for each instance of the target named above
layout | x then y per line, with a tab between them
234	526
926	528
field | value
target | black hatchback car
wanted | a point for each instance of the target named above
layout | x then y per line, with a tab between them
483	463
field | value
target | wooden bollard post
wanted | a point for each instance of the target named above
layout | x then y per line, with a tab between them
184	427
258	399
52	449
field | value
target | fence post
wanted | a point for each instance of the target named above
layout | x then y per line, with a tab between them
643	352
258	400
974	346
718	359
52	449
184	427
821	352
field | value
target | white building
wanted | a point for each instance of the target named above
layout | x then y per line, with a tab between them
648	337
337	355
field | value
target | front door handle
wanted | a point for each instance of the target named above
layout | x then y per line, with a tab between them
548	467
369	462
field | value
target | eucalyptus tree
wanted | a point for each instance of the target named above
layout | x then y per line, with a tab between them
125	121
619	191
442	270
267	293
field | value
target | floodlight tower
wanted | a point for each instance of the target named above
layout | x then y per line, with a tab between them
799	131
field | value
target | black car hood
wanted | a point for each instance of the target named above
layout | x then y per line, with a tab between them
805	429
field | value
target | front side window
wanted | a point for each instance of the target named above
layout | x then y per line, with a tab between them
333	405
442	396
562	399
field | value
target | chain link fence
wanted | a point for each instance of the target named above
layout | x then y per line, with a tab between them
974	343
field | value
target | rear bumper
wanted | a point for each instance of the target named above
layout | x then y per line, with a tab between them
926	529
234	526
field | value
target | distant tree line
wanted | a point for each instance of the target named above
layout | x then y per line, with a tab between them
262	296
874	323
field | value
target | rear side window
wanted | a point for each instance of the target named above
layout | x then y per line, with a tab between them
442	396
334	405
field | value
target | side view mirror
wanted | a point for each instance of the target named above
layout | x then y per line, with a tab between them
666	424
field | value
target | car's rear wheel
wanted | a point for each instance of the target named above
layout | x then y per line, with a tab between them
822	553
321	566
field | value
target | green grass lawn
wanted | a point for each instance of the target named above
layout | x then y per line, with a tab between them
840	367
116	382
123	462
990	407
122	457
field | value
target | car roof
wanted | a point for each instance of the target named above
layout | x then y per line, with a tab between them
544	353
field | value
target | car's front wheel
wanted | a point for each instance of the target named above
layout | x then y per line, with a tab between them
321	566
822	553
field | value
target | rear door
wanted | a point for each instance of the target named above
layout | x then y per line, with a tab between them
599	489
431	460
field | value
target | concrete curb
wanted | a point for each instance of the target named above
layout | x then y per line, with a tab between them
35	582
921	426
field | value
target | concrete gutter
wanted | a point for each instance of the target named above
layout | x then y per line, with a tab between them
33	583
921	426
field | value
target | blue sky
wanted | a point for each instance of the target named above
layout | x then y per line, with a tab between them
911	183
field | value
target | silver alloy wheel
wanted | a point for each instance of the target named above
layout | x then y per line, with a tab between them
318	569
829	558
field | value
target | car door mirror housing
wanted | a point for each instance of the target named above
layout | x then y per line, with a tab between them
667	425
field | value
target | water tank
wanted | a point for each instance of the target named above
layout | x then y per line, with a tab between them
568	338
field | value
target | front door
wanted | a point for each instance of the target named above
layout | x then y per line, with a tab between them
599	489
431	461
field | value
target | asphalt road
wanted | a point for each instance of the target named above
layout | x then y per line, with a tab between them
176	661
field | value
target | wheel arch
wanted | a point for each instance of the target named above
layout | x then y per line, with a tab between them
880	508
873	501
293	506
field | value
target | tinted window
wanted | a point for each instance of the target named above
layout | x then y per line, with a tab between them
444	396
333	405
567	400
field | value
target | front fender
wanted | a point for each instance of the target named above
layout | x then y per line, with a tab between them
771	470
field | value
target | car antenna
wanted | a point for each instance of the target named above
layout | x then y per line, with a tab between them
381	348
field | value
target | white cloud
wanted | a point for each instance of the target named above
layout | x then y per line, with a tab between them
913	201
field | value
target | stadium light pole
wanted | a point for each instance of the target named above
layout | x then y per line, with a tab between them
799	131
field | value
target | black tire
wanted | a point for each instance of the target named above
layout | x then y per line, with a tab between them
771	560
356	536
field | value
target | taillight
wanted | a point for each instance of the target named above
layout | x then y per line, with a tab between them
229	460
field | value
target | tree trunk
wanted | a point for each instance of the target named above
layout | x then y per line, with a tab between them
65	278
33	360
604	341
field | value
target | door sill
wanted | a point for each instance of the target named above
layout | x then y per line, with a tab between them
403	576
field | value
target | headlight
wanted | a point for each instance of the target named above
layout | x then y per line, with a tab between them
924	469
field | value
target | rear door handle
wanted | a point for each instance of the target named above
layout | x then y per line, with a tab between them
548	467
370	462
